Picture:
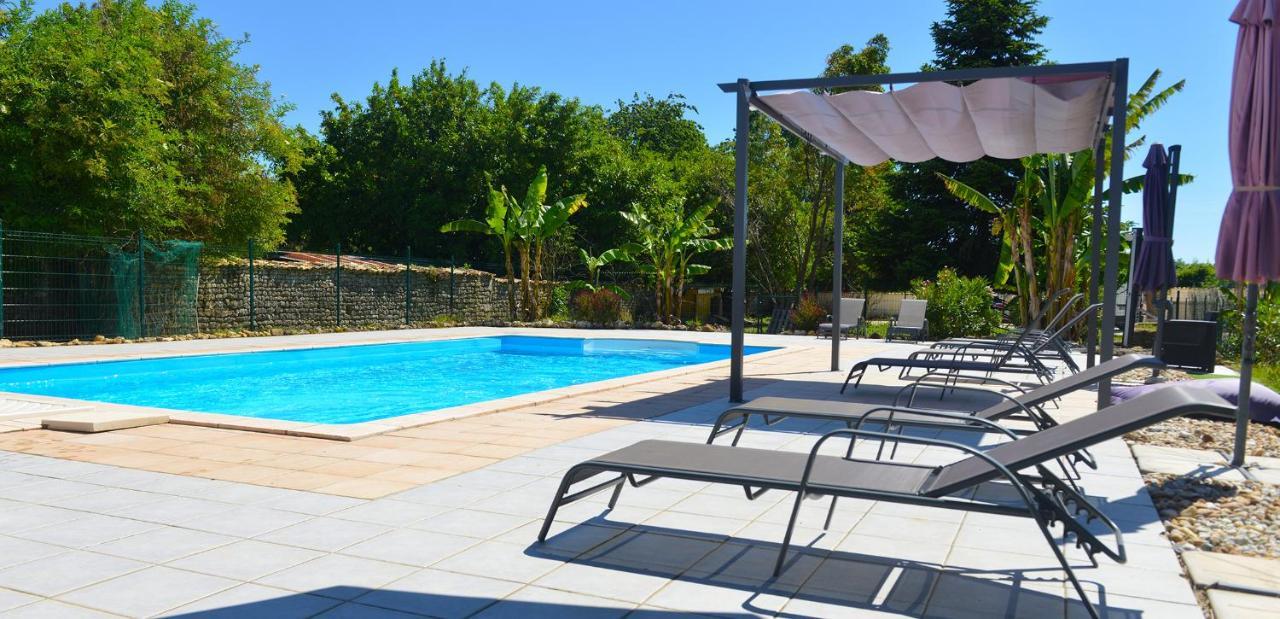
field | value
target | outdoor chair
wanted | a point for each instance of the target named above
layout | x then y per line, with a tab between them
1039	496
780	321
910	321
851	322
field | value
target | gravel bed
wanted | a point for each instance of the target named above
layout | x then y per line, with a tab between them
1211	434
1241	518
1140	376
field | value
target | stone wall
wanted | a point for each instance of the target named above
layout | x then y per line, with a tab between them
293	296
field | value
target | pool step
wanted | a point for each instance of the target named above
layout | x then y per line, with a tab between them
21	408
101	421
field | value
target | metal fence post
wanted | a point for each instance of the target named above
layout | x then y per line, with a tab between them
451	264
142	281
1	279
408	282
253	313
337	285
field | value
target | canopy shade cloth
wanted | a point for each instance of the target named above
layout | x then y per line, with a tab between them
1004	117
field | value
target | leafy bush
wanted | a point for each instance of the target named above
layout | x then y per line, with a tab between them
602	307
1196	274
559	305
1267	344
958	306
807	314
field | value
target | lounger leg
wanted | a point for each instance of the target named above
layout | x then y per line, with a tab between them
721	422
613	498
791	527
563	498
555	505
737	436
848	378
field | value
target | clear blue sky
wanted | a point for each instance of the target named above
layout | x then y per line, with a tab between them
602	51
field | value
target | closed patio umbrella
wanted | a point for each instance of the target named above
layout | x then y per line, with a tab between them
1247	241
1154	270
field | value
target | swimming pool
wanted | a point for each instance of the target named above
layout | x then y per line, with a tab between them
351	384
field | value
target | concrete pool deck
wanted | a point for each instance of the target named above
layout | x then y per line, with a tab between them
80	535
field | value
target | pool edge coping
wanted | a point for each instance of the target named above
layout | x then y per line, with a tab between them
365	429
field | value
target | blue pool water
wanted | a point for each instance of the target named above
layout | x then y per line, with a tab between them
351	384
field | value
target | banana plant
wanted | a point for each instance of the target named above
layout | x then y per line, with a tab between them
595	263
666	247
500	220
536	223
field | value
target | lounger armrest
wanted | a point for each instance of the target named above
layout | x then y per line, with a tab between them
853	435
886	413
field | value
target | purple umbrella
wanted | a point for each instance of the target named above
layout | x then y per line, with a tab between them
1247	247
1154	269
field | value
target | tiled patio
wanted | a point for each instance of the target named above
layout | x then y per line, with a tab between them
79	538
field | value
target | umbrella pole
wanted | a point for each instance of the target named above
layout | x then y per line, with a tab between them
1157	347
1249	332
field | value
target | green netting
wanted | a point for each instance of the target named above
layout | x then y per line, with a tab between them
156	288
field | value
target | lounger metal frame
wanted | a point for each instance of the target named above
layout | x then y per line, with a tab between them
1057	502
1043	498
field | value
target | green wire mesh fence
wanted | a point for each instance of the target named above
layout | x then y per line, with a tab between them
60	287
64	286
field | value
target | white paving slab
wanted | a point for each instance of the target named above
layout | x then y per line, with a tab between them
80	539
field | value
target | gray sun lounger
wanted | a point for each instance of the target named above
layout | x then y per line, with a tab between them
1041	496
1026	405
1050	345
1014	358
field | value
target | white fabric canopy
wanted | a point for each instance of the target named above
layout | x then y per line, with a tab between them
1000	117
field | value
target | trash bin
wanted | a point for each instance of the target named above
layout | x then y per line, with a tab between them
1190	344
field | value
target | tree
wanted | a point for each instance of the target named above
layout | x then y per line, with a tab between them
420	152
988	33
657	125
927	228
525	226
792	194
500	223
1196	274
120	116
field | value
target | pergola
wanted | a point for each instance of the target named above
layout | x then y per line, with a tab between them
961	115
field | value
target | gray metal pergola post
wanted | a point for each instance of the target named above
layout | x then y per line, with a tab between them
837	264
745	91
1119	108
738	315
1095	250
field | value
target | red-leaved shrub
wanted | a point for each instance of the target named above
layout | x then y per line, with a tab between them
602	307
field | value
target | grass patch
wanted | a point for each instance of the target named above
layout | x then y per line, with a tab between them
1268	375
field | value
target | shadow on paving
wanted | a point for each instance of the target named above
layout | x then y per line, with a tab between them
814	579
391	603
